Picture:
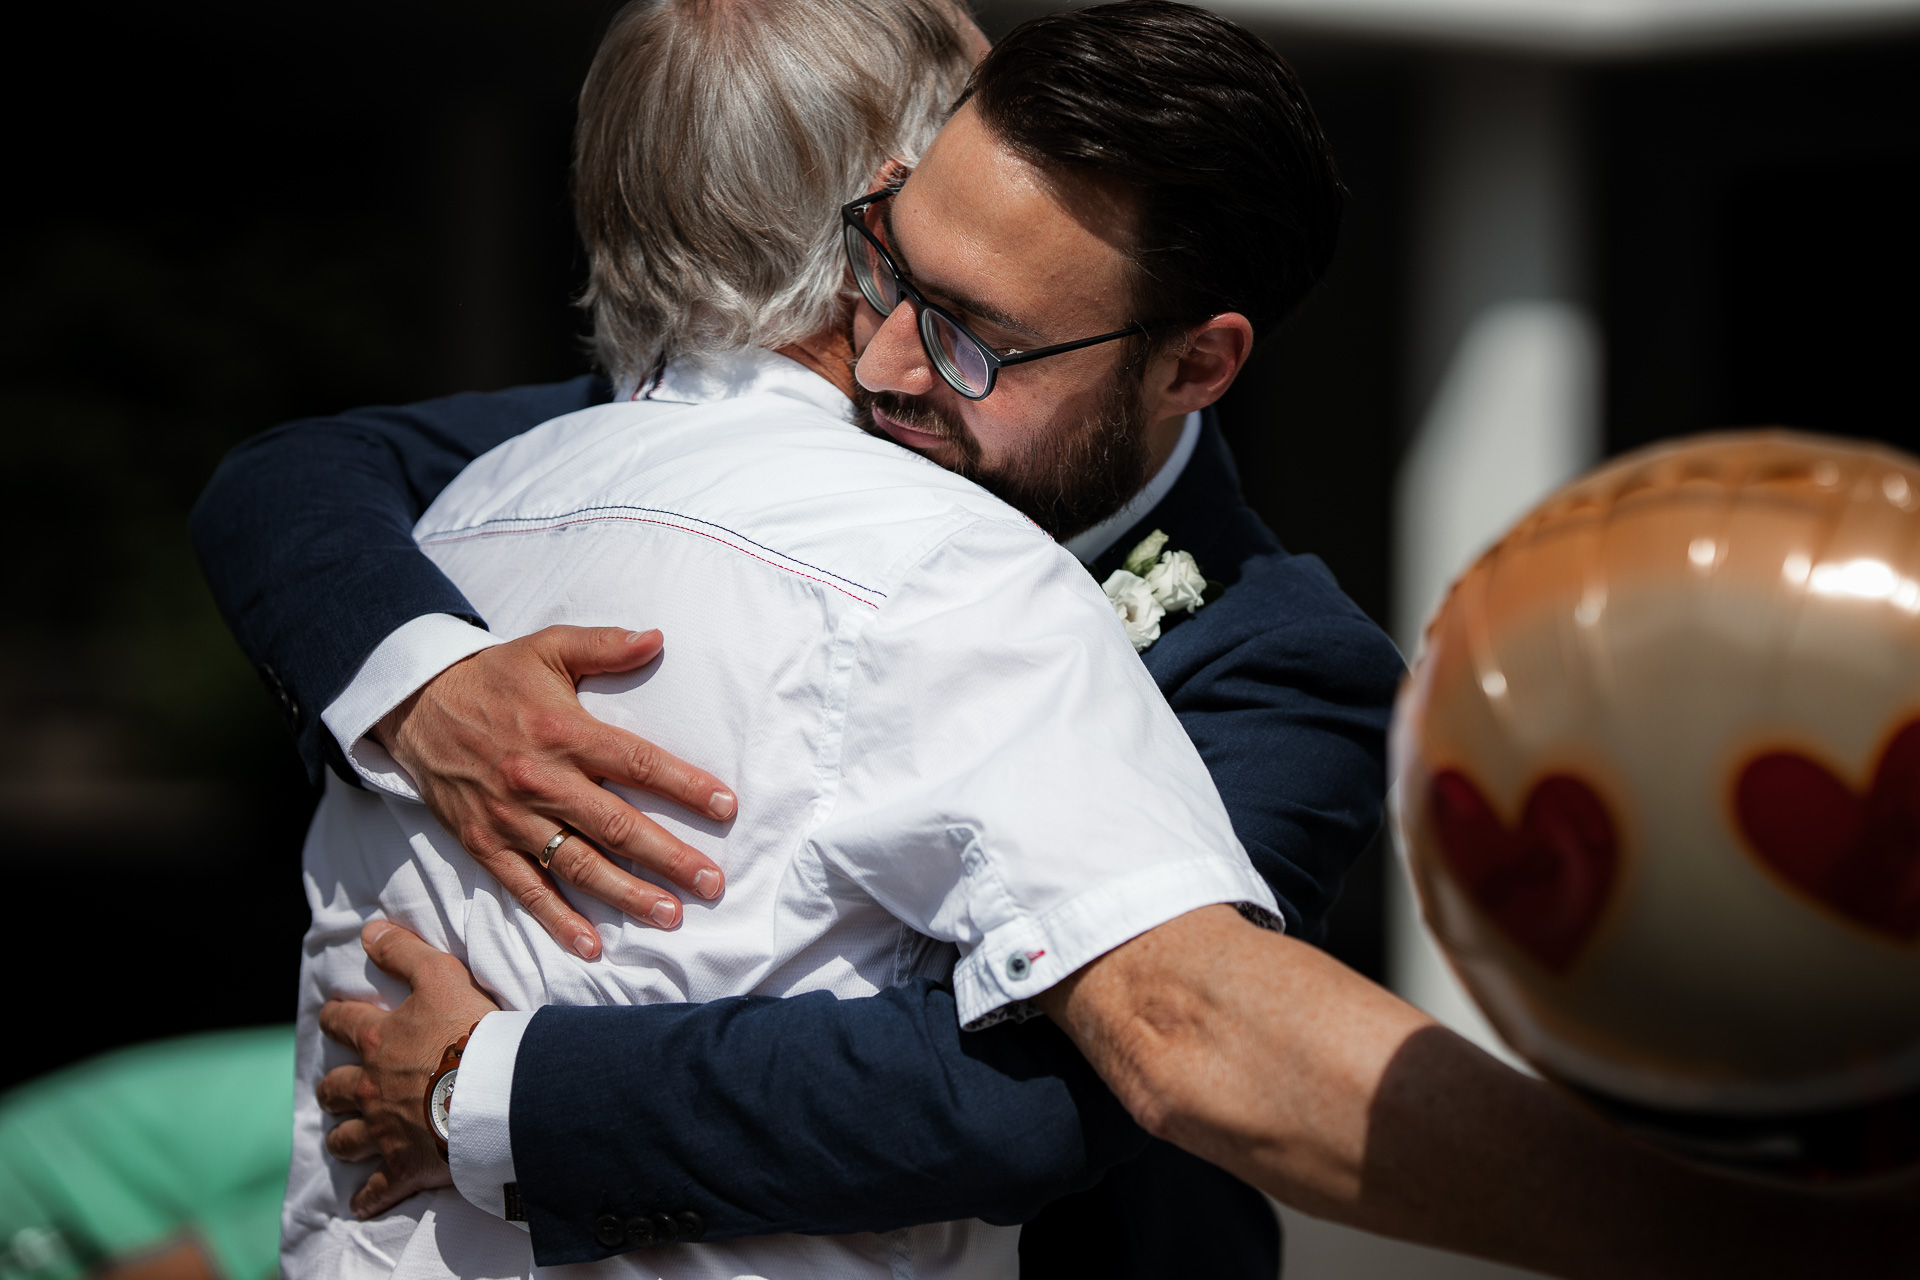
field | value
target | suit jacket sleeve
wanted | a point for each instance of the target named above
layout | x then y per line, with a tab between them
807	1114
312	523
1288	696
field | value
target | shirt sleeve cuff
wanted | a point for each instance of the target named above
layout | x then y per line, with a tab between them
480	1142
1027	955
414	654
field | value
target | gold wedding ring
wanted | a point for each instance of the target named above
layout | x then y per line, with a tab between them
553	847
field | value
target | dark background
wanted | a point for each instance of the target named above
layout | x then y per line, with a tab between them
225	216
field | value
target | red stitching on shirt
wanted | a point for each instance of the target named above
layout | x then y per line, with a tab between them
664	524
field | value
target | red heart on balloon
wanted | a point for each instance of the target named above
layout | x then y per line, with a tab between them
1859	856
1545	884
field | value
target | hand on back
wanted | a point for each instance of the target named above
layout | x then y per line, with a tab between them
384	1097
506	757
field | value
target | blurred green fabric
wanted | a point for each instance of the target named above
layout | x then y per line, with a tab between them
146	1145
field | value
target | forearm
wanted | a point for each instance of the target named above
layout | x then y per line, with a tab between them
808	1114
1269	1058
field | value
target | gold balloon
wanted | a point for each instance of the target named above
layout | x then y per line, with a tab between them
1658	778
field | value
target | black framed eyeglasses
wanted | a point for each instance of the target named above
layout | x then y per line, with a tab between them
968	364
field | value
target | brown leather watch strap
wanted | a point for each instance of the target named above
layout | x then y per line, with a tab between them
449	1062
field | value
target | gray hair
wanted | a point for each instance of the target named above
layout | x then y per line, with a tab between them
718	140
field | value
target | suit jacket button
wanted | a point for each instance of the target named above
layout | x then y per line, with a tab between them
640	1231
609	1231
665	1230
692	1225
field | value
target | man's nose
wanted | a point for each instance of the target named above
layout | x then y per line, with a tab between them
895	360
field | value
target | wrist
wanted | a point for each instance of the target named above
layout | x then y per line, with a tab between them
366	715
481	1147
438	1101
387	728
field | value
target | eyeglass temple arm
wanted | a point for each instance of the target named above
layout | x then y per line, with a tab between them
1021	357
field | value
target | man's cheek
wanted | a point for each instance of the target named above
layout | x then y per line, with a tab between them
1008	430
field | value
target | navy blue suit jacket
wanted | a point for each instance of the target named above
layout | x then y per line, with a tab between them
815	1114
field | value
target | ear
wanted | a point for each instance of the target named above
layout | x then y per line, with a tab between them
1197	371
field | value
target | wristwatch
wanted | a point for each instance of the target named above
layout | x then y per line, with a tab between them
439	1099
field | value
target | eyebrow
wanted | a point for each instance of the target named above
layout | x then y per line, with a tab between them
951	299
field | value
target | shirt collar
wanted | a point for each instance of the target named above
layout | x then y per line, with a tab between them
747	371
1091	545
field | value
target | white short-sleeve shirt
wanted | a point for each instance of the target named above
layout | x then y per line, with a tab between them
948	758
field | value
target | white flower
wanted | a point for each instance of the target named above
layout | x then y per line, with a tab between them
1141	558
1177	582
1139	612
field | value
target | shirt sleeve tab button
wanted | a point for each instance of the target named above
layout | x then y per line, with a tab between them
1018	966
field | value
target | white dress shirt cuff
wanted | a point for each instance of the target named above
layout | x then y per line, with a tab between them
1018	960
414	654
480	1142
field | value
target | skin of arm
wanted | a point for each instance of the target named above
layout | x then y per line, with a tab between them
1269	1058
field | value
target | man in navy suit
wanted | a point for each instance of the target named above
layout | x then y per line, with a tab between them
749	1116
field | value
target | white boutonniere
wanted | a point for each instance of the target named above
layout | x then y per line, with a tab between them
1153	583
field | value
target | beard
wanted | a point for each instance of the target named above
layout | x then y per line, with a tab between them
1066	477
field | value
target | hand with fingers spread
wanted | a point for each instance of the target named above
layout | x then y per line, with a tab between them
510	762
383	1097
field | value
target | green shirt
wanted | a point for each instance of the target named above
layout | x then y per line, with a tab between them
181	1139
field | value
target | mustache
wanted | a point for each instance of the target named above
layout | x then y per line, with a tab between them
915	413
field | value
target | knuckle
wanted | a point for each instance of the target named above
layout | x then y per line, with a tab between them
521	775
618	825
574	862
550	728
643	762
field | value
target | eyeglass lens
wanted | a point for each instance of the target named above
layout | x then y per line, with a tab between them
877	282
958	357
961	361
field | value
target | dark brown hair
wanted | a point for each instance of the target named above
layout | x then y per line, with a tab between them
1236	200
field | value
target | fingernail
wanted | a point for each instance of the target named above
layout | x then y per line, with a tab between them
635	637
583	943
707	883
720	804
665	912
373	931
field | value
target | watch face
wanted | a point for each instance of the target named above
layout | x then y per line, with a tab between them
440	1103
